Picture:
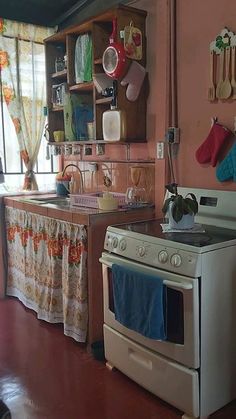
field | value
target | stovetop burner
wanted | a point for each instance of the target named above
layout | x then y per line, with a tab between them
212	235
194	239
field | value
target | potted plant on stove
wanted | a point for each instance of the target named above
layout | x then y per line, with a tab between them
180	210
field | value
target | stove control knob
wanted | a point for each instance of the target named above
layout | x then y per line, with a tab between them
122	245
114	242
176	260
141	251
163	256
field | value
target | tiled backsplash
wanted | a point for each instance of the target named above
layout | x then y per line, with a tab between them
120	175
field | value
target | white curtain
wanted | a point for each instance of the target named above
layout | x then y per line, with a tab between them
22	66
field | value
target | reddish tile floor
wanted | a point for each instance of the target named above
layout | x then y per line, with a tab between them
45	375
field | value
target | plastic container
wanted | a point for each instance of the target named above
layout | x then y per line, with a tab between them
91	200
62	187
107	202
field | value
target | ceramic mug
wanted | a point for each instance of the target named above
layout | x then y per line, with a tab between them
59	136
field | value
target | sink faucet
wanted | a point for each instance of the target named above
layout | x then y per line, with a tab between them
81	189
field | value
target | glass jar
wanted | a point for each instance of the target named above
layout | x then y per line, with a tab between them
59	64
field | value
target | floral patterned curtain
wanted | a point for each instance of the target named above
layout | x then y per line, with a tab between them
47	269
22	72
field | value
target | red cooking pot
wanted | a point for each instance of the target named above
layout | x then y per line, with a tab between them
114	59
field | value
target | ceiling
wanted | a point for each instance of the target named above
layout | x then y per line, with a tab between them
42	12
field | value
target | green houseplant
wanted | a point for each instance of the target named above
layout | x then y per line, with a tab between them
180	209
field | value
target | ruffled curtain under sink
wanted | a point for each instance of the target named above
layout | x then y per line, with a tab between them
47	269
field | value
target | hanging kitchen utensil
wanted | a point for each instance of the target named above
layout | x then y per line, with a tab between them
233	82
133	42
114	59
221	75
211	88
226	88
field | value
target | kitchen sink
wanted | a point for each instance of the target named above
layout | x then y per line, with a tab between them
57	200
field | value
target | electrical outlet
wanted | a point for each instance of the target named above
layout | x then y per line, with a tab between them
160	150
173	135
100	149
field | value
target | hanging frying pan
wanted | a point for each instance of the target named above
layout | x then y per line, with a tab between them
113	59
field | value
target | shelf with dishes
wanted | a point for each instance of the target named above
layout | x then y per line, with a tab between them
76	88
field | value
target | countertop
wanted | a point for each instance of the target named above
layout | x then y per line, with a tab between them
96	222
74	214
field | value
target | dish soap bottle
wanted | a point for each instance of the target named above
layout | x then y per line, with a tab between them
113	120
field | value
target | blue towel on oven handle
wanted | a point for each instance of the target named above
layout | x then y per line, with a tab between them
139	301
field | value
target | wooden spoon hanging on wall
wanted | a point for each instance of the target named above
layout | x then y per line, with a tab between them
233	82
226	88
221	75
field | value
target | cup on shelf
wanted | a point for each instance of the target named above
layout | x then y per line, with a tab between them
58	136
55	150
68	150
90	130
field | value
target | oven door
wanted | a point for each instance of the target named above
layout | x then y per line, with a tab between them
182	319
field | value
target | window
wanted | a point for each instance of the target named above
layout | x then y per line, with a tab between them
31	67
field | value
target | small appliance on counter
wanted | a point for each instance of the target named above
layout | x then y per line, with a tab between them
136	195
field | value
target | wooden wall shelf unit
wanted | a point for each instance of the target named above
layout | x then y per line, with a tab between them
63	44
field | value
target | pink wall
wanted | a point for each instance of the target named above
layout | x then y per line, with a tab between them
198	23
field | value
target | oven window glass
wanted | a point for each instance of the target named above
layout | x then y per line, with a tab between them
174	312
110	291
175	316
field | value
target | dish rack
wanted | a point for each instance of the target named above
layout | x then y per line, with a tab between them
90	200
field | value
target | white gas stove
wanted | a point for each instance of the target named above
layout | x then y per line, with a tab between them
195	366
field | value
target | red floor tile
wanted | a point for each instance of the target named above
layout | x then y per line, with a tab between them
46	375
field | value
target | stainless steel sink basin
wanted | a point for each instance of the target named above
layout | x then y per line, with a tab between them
57	200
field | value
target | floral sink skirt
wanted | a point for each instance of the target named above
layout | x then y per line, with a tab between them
47	269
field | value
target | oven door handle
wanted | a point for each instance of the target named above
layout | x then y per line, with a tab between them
170	284
178	285
106	262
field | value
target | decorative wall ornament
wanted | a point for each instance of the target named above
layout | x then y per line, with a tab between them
222	78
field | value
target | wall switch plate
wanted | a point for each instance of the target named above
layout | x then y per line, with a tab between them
173	135
160	150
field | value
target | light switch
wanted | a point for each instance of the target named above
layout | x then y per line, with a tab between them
160	150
